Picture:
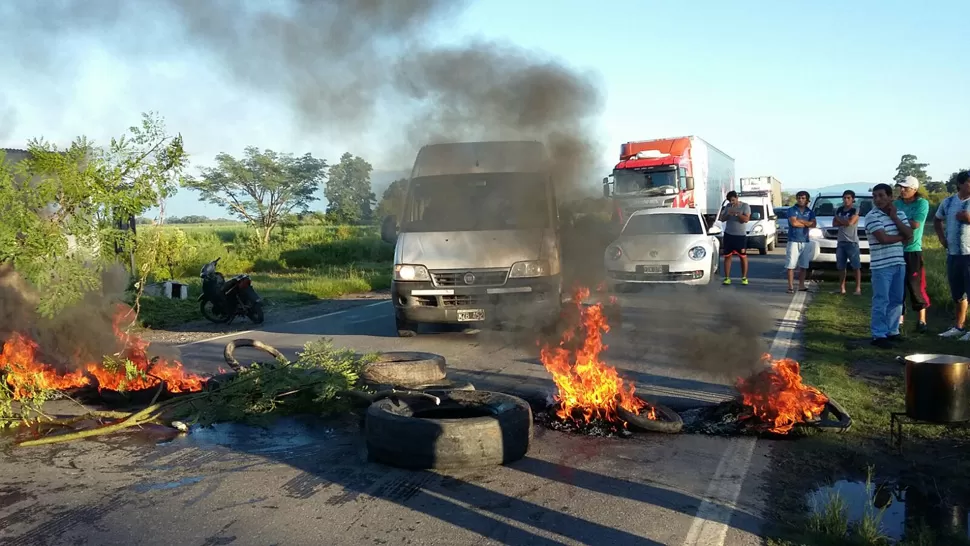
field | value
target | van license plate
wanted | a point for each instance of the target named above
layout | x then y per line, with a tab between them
471	315
653	269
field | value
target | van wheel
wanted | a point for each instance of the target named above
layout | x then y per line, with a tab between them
771	247
405	328
762	251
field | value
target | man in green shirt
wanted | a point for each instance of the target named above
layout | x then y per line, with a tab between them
916	209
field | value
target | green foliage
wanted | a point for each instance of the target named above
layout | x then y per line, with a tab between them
392	202
261	188
910	166
58	207
348	191
267	390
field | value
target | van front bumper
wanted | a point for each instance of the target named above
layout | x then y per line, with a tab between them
518	300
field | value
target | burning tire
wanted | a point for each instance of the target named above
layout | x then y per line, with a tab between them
406	369
468	429
245	342
668	421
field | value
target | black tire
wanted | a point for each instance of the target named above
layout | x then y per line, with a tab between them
207	308
497	430
771	247
668	421
405	368
245	342
405	328
256	313
762	251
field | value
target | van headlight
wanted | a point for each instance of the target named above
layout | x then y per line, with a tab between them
815	233
534	268
758	229
697	253
405	272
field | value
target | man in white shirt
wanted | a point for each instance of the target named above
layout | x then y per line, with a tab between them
954	214
886	229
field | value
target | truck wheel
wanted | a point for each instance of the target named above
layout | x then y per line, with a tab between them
405	328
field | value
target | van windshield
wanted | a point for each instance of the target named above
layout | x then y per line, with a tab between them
477	202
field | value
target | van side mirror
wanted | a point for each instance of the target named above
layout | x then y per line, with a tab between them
606	187
389	229
772	217
689	183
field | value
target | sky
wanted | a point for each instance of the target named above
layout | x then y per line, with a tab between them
815	94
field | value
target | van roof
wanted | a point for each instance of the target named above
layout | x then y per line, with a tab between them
480	157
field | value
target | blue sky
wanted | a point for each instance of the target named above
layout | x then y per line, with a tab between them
814	93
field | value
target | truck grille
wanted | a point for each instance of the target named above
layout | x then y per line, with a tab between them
486	277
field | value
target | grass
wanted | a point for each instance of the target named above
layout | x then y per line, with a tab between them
301	265
869	383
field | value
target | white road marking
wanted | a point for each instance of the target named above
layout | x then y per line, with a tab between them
308	319
710	525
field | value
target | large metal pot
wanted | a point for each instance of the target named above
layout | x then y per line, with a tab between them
937	387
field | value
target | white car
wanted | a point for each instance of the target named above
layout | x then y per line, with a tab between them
824	235
663	245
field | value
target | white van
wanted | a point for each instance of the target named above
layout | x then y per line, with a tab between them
762	227
478	239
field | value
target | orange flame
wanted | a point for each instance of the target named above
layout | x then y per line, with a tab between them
778	398
24	372
584	382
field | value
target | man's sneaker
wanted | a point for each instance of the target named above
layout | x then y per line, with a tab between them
921	328
744	281
895	337
953	332
965	337
726	282
882	343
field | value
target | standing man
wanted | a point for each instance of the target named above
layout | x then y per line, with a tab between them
886	229
735	215
955	211
916	209
847	248
797	251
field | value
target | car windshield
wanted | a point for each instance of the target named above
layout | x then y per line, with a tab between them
634	181
827	205
664	224
757	212
477	202
781	212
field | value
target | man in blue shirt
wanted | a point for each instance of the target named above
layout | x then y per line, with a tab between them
954	212
797	250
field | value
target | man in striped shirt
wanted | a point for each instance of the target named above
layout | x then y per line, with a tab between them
886	229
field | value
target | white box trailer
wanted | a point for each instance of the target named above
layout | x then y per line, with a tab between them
753	184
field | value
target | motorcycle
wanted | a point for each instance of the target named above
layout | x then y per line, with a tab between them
222	300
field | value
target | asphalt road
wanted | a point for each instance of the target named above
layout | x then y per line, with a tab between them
309	483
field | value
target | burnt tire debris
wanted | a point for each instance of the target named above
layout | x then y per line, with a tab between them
468	429
668	421
405	368
231	361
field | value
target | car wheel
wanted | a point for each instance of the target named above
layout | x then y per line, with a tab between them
405	328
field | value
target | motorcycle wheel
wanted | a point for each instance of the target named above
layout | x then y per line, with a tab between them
208	310
256	313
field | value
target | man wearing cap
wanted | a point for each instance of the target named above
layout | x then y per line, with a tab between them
916	209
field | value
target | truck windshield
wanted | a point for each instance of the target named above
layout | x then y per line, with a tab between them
827	205
632	181
477	202
664	224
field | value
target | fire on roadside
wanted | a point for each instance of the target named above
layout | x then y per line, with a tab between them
777	398
585	384
24	372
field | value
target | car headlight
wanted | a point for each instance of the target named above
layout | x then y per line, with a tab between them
404	272
614	252
815	233
534	268
758	229
697	253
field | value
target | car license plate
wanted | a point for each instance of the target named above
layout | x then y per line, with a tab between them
653	269
471	315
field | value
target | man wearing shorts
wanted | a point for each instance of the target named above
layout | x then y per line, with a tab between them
735	215
916	209
955	212
847	248
797	250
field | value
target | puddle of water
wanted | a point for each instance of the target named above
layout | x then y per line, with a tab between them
284	435
902	511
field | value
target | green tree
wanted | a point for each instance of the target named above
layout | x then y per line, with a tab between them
787	198
910	166
392	202
348	192
261	188
59	208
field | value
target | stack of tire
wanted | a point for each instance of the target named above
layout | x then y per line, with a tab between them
469	428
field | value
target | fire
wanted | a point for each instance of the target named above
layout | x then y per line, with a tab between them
584	382
24	372
778	398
